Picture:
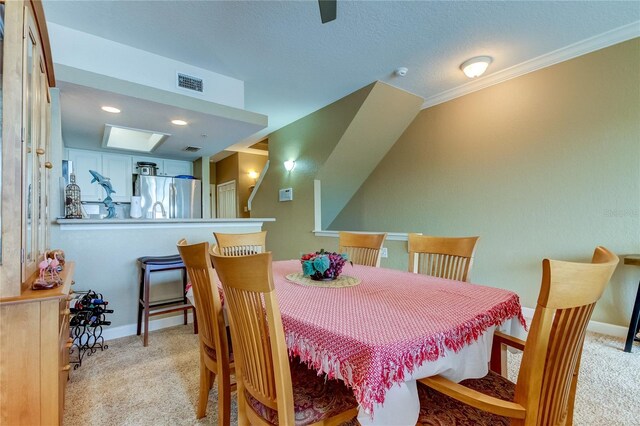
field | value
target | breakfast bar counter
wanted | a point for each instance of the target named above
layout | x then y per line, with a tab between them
106	253
84	224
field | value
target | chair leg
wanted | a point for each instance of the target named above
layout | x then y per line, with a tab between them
634	323
242	404
224	399
140	296
203	397
184	293
195	321
212	379
147	278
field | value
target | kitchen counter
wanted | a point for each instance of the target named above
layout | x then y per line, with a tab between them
88	224
105	252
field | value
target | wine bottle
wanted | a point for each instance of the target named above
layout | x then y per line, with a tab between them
98	310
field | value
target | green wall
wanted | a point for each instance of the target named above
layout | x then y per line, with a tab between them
309	141
544	165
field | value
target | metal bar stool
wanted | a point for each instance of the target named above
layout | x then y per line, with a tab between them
147	308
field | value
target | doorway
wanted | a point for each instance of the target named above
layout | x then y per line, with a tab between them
226	198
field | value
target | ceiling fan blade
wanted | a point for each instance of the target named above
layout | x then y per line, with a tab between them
328	10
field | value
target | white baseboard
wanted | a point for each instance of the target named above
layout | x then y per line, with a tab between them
595	326
110	333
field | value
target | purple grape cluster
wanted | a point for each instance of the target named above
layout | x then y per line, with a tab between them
336	262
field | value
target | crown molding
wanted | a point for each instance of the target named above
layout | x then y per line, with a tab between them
591	44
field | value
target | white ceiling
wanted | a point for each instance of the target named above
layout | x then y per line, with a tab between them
83	123
293	65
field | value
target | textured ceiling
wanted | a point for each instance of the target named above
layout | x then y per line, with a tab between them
293	65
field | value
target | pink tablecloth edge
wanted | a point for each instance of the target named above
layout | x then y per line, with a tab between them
430	349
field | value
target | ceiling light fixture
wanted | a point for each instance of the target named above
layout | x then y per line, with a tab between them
289	165
401	72
111	109
475	67
179	122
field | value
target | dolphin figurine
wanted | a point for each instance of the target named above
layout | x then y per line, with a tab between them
103	181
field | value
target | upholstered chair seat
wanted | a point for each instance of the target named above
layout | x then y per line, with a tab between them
314	397
437	409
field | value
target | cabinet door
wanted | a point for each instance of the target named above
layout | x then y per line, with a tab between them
175	168
43	163
83	161
31	131
118	169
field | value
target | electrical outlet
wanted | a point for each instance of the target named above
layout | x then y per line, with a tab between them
383	252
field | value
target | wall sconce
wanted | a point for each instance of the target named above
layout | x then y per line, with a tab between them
475	67
253	174
289	165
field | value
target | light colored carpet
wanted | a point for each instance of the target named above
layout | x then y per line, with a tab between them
129	384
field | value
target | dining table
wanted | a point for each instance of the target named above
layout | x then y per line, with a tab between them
391	328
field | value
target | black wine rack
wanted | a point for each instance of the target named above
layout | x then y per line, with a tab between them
88	316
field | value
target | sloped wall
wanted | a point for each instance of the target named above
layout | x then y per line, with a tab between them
377	125
309	141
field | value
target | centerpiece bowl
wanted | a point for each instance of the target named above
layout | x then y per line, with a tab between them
323	265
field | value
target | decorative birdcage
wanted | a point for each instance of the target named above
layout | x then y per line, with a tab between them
72	206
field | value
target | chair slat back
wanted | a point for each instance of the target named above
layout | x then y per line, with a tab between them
548	373
241	244
211	325
362	249
442	257
262	365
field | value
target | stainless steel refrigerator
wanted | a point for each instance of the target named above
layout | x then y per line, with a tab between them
169	198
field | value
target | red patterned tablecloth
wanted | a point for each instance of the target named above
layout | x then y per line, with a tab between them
394	321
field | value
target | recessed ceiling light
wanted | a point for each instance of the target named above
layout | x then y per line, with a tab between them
179	122
111	109
475	67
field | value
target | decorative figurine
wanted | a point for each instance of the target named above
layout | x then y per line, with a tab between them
106	184
72	207
58	255
48	277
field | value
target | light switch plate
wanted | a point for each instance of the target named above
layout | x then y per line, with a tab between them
286	194
383	252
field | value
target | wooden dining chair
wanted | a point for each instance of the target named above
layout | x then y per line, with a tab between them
442	257
545	391
272	391
214	346
362	249
240	244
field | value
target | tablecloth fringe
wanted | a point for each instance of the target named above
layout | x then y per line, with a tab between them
369	394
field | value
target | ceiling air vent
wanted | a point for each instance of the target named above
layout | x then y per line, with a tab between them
190	83
192	148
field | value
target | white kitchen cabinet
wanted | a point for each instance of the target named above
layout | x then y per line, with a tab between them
83	161
118	168
165	167
159	163
176	168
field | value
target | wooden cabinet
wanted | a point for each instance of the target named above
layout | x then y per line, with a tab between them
34	325
34	354
176	168
83	161
118	168
165	167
